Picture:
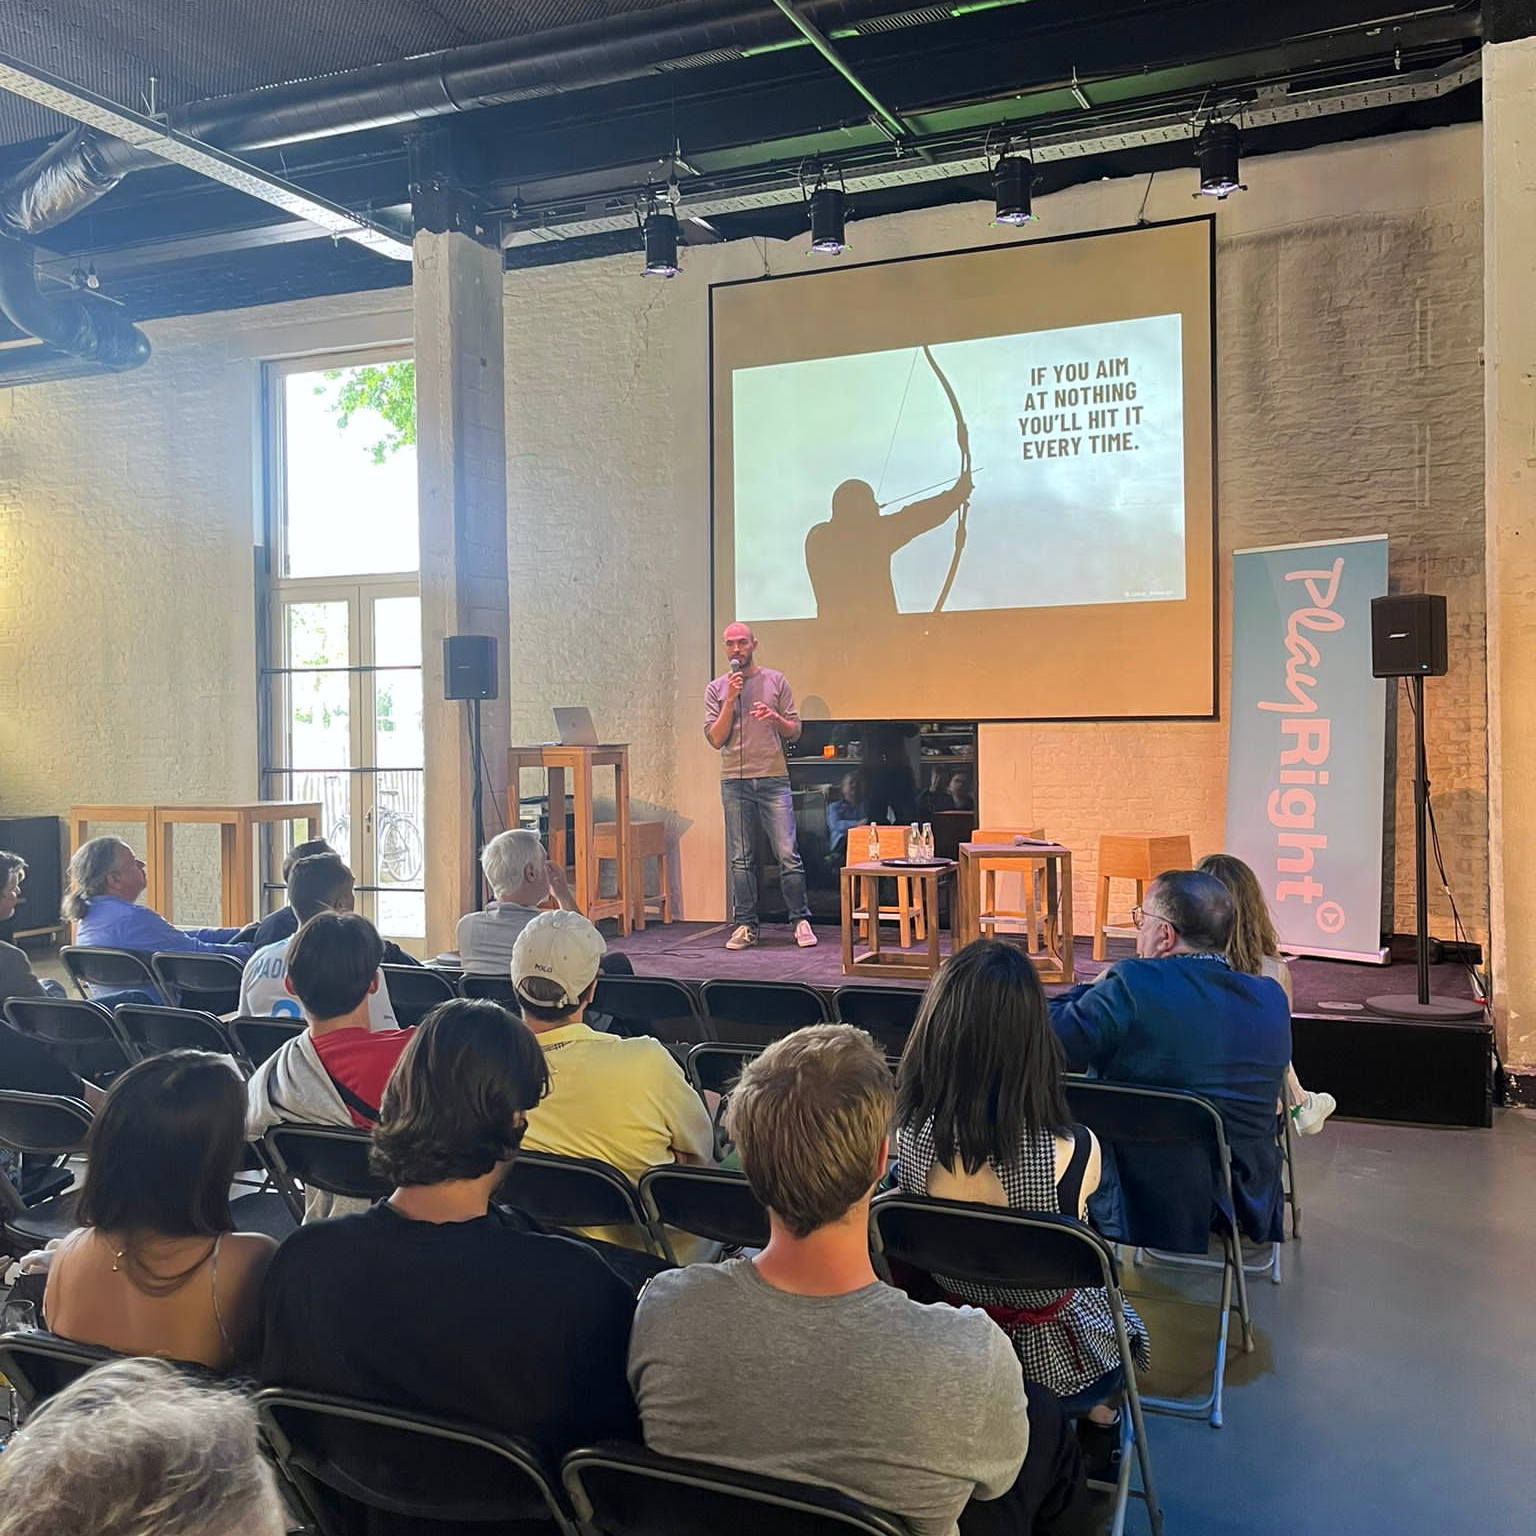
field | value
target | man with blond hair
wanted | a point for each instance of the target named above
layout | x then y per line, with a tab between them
834	1378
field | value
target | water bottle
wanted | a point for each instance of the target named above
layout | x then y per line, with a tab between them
874	843
914	841
927	839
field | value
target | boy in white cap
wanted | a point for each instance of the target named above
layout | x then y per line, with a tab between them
624	1102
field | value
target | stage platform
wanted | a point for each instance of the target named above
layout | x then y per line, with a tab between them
1378	1069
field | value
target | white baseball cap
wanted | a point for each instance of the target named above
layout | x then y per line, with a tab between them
562	947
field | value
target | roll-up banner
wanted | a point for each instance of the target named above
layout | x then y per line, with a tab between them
1307	752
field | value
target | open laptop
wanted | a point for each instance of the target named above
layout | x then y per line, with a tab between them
576	728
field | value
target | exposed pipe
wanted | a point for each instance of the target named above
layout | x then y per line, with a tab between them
89	332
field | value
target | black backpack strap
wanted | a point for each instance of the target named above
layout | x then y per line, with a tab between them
359	1107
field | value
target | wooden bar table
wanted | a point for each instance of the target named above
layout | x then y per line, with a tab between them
1055	963
147	816
556	761
862	881
237	848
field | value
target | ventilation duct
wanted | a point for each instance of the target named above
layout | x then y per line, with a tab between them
81	334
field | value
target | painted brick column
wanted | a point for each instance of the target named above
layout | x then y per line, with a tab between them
462	492
1509	352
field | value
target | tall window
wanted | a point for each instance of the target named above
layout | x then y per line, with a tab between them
342	699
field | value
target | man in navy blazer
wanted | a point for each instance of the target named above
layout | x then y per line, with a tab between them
1178	1016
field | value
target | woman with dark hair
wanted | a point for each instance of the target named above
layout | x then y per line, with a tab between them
436	1299
981	1116
156	1267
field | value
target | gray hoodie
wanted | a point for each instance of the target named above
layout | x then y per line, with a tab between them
291	1087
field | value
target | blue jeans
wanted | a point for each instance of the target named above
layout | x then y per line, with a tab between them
766	803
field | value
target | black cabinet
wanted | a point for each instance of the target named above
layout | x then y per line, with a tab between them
40	841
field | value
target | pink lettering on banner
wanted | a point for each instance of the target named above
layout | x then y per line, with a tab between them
1301	771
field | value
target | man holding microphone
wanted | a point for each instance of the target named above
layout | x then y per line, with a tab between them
749	713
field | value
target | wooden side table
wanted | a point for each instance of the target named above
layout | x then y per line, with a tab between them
1054	962
556	761
148	816
861	892
237	848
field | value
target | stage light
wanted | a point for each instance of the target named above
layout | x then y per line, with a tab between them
1012	177
1216	147
827	213
660	244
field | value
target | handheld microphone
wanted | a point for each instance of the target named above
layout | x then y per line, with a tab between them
737	663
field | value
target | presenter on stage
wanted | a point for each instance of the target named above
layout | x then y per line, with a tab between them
749	713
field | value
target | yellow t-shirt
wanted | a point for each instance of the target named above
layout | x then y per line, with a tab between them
624	1102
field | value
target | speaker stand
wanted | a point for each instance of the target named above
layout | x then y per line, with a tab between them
1422	1006
476	802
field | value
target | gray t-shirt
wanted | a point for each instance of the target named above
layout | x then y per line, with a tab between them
913	1409
754	749
486	938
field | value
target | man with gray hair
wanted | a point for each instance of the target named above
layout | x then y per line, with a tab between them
521	877
136	1448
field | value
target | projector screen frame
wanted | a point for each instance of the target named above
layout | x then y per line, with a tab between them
1212	712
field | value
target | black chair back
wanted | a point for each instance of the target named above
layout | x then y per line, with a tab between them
888	1013
714	1068
329	1157
260	1038
209	982
361	1467
651	1005
117	969
414	990
497	988
711	1203
39	1364
626	1490
78	1034
43	1123
146	1031
760	1012
574	1192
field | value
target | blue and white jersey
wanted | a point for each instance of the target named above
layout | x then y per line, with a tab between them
263	993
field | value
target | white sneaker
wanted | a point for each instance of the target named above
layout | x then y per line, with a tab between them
805	935
1312	1111
742	938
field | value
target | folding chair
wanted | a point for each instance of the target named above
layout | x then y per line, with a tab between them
38	1364
1292	1187
261	1038
714	1068
329	1157
144	1031
626	1490
497	988
1023	1250
45	1125
711	1203
113	970
887	1013
77	1034
360	1466
1134	1122
651	1005
190	980
575	1192
414	990
760	1012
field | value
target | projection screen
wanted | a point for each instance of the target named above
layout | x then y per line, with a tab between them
1070	575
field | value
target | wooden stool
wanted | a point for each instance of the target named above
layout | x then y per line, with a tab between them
909	913
1137	856
990	871
647	840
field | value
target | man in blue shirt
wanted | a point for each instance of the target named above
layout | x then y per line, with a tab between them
1178	1016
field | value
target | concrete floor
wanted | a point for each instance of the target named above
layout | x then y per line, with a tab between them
1393	1387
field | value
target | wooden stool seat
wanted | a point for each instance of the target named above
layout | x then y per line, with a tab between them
647	840
1139	857
1029	914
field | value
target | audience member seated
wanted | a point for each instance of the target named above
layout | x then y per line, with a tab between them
521	878
284	923
822	1373
845	813
436	1300
156	1268
137	1448
1254	950
624	1102
106	879
318	883
16	978
981	1116
1179	1016
334	1073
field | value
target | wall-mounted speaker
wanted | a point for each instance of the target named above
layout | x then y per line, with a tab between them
1408	635
469	667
